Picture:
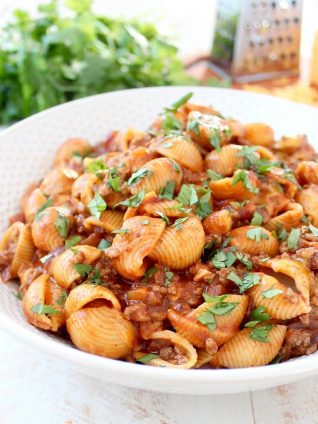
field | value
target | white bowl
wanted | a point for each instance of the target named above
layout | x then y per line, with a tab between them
27	149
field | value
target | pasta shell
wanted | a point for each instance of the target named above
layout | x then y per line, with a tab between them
56	182
282	306
109	221
307	172
45	233
219	222
180	248
18	235
203	358
33	203
63	269
181	149
259	134
289	144
265	153
308	198
205	124
288	219
226	161
83	188
297	271
225	189
226	325
179	342
161	171
85	293
102	331
43	291
242	351
71	146
267	246
129	249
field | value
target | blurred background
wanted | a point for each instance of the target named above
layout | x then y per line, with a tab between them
55	51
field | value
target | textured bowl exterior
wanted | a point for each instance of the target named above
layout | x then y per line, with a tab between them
27	150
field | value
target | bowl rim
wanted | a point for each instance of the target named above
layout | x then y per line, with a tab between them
298	366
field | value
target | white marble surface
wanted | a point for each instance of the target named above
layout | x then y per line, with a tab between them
36	389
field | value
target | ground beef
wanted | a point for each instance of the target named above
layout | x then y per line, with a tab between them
297	342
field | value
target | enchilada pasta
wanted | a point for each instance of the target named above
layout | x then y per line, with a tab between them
193	244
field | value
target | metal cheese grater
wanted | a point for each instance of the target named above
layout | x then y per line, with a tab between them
257	40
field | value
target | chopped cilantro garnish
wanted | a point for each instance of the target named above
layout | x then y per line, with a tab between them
204	208
257	219
176	105
17	295
171	125
270	293
134	201
313	229
178	223
148	357
163	216
243	176
83	269
213	175
149	273
62	224
218	307
194	126
187	195
215	139
293	239
62	298
249	280
103	244
176	166
223	259
258	314
305	219
41	309
114	179
167	191
256	234
41	210
139	175
72	241
168	277
260	334
282	235
207	318
244	260
95	166
97	205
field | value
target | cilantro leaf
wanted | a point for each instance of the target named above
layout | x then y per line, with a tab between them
149	273
223	259
215	139
178	223
176	105
270	293
171	125
249	280
114	179
167	191
204	208
243	176
62	298
222	308
62	224
148	357
95	166
257	219
97	205
258	314
207	318
213	175
256	234
293	239
163	216
139	175
244	260
121	231
41	210
72	241
313	229
83	269
104	244
40	309
187	195
194	126
134	201
260	334
168	277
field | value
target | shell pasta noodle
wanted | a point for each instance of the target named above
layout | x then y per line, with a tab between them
190	245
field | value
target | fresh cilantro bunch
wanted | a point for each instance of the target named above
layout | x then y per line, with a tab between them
57	57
